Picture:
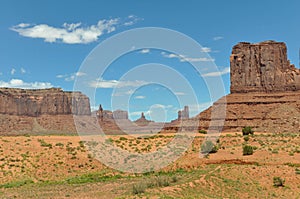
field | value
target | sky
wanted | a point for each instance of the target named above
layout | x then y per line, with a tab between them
49	43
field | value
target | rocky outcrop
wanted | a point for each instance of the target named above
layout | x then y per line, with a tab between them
184	114
265	93
266	112
142	121
120	115
262	67
53	101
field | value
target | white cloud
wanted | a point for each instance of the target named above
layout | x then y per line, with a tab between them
23	71
145	51
201	59
140	97
60	76
218	73
162	106
73	33
179	93
151	109
71	77
71	26
218	38
132	19
206	50
23	25
115	83
18	83
94	108
183	58
138	113
13	71
123	93
79	74
104	84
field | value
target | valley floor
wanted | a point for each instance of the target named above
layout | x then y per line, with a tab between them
62	167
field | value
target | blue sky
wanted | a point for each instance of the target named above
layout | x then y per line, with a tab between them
44	43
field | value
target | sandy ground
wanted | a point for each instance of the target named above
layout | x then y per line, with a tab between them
56	158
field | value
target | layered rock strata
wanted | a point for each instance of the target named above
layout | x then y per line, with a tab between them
53	101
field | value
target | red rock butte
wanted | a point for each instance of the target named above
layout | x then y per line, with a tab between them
53	101
265	90
262	67
265	93
40	111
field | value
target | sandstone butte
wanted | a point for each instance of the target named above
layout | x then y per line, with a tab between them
40	111
264	91
264	94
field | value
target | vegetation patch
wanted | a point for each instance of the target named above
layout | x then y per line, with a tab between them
247	130
248	150
17	184
209	147
278	182
202	131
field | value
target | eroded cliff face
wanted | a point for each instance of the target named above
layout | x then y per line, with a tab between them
262	67
34	103
265	92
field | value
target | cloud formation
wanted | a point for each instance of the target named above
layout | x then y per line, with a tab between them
101	83
23	71
140	97
71	77
123	93
179	93
145	51
218	73
151	110
218	38
13	71
183	58
72	33
206	50
18	83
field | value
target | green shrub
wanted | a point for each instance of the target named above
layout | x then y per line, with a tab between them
123	138
174	179
59	144
247	130
202	131
162	181
247	150
209	147
246	138
44	144
138	188
297	171
278	182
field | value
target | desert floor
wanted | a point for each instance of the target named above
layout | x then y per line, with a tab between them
62	167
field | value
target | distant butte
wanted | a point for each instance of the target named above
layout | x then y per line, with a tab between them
39	111
142	121
53	101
